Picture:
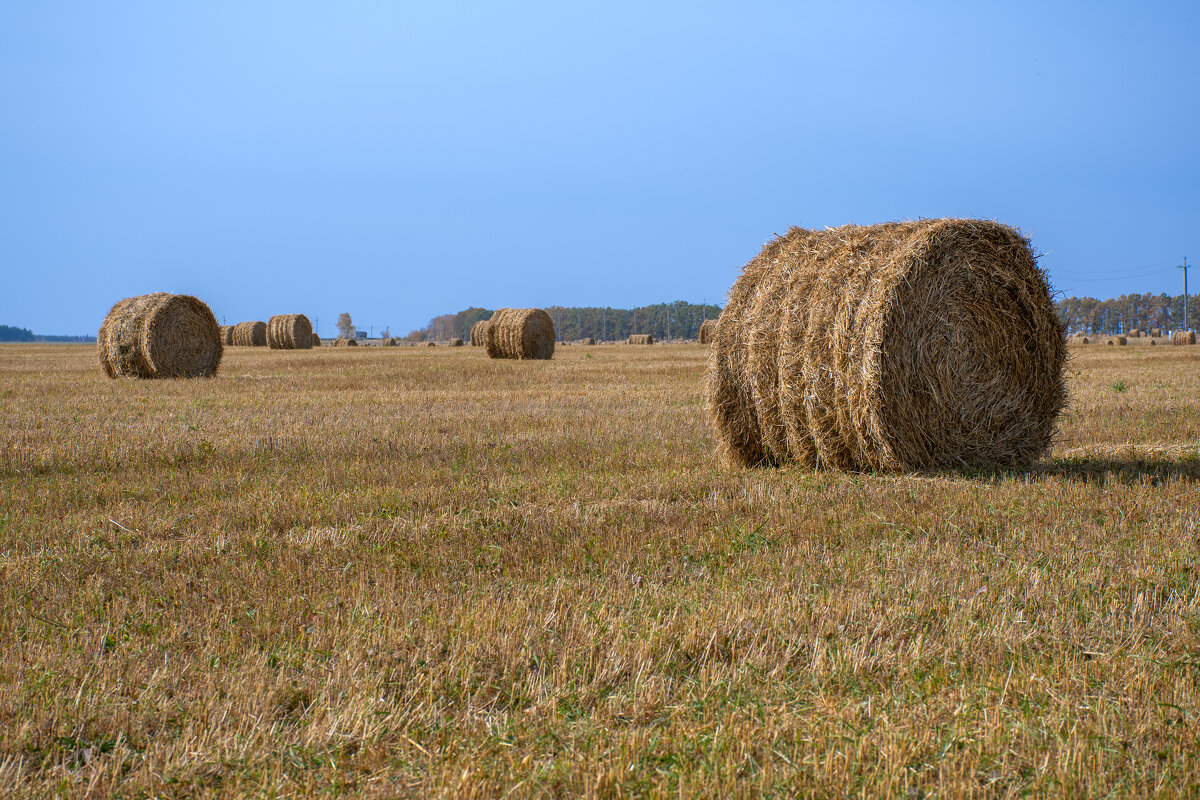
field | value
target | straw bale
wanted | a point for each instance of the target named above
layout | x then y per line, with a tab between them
160	335
890	347
456	343
226	335
640	338
389	342
250	334
521	333
343	341
1118	340
289	332
588	340
706	331
431	343
1134	333
479	333
1183	337
316	340
1156	332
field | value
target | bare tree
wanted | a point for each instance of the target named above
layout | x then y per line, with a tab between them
345	326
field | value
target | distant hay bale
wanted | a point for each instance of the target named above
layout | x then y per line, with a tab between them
289	332
1156	332
706	331
160	335
900	346
1084	340
431	343
1183	337
389	342
587	340
640	338
479	333
250	334
343	341
1118	340
1134	333
522	333
1153	343
456	343
226	335
316	340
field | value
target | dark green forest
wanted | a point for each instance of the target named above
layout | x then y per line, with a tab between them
1129	311
678	320
10	334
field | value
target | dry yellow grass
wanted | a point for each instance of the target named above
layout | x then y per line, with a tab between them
428	573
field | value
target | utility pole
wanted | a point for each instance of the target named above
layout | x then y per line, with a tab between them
1184	267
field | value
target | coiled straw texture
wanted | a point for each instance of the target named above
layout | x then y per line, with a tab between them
160	336
524	333
899	346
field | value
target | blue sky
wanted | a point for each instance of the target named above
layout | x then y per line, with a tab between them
400	160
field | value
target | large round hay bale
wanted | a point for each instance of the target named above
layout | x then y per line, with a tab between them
1183	337
250	334
343	341
316	340
160	336
525	333
289	332
1118	340
640	338
226	335
706	331
456	342
889	347
479	333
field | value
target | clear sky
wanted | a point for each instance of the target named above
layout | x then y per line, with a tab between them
401	160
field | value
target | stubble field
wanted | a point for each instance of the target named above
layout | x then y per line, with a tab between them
413	572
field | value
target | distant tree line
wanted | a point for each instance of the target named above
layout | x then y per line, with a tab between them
1129	311
10	334
680	320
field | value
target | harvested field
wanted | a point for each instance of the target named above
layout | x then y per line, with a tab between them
416	574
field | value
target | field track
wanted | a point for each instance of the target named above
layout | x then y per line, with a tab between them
412	572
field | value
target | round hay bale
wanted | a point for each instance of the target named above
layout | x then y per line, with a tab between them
316	340
478	333
342	341
289	332
1183	337
431	343
389	342
640	338
1118	340
250	334
226	335
1084	340
706	331
588	341
1156	332
160	335
1134	333
523	333
456	343
889	347
1153	343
